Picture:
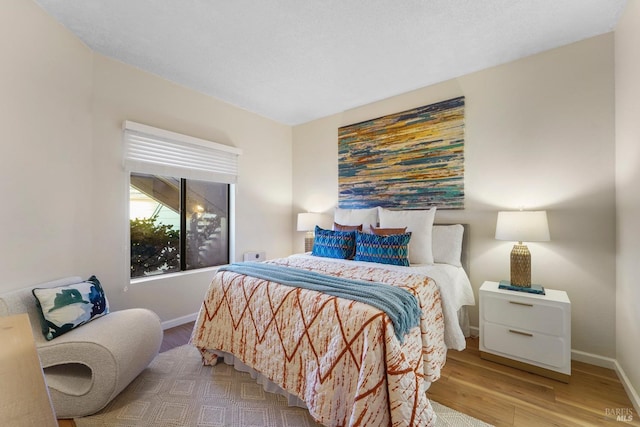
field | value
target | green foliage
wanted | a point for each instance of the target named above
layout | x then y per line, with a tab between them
154	247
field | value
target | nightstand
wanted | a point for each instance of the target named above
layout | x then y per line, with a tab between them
526	331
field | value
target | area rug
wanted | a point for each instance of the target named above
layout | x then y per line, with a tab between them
177	391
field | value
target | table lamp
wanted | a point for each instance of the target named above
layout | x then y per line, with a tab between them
522	226
307	221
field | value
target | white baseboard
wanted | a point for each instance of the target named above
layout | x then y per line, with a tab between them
593	359
626	383
167	324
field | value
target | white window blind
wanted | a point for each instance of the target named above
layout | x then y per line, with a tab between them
160	152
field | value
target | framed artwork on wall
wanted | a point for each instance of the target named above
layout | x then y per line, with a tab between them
409	160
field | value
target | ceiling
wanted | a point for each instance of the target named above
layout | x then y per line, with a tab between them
294	61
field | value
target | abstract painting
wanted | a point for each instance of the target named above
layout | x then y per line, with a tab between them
409	160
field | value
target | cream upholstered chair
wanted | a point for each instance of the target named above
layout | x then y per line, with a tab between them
88	366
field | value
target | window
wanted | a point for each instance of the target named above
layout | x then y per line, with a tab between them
177	224
179	200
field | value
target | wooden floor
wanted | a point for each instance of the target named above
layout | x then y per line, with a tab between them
505	396
175	337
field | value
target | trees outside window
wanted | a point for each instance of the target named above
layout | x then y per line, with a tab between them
177	224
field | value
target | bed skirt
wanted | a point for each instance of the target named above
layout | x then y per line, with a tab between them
267	384
463	320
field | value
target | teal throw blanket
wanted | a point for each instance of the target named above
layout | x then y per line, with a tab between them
399	304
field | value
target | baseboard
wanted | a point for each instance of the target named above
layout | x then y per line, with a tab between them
626	383
167	324
593	359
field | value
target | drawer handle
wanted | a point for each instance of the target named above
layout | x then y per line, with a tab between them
520	303
526	334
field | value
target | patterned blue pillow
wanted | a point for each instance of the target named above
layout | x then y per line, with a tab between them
67	307
392	249
334	244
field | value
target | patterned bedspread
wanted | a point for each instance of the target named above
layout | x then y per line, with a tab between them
340	356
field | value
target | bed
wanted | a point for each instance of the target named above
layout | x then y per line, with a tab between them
341	358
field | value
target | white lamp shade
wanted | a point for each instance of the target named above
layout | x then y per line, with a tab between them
523	226
307	221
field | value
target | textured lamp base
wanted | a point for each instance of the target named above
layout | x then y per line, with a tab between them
308	242
520	266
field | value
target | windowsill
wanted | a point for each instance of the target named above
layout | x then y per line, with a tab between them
169	276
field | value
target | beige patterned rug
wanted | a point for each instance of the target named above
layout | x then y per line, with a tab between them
176	390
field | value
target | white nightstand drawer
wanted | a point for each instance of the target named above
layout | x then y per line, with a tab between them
522	313
526	331
535	347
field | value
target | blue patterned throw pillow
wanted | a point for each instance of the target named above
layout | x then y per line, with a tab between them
334	244
67	307
392	249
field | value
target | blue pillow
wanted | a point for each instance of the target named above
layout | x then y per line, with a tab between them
392	249
334	244
67	307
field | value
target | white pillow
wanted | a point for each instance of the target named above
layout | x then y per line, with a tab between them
366	217
447	244
420	224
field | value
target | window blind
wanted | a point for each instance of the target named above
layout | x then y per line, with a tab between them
160	152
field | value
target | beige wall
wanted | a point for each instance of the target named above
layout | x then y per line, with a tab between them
64	188
627	40
45	131
263	192
539	135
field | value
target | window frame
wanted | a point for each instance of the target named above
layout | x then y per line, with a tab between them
223	170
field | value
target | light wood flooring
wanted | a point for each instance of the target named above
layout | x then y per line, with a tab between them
505	396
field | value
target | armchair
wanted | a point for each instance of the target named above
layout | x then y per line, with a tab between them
88	366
